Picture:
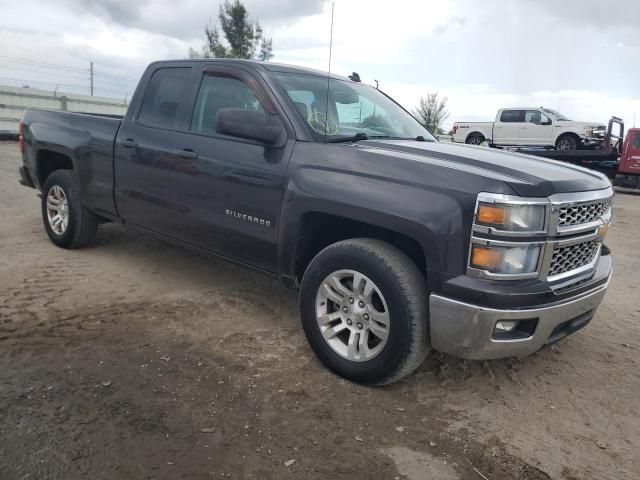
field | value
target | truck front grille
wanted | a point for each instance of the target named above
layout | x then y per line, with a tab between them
583	213
570	257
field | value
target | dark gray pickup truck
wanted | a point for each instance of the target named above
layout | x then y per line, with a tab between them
398	243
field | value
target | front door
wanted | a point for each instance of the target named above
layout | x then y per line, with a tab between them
228	191
536	129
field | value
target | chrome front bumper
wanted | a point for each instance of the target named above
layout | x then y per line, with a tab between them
467	330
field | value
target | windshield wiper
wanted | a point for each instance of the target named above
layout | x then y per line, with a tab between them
351	138
363	136
418	138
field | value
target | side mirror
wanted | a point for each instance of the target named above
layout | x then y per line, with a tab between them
546	122
250	125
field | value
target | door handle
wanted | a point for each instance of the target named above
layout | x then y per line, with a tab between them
185	153
129	143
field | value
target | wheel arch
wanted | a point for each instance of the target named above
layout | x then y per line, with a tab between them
50	159
316	230
568	133
474	133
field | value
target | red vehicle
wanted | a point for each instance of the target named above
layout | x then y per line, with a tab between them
629	166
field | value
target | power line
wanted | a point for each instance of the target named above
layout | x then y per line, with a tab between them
81	89
110	75
128	83
50	65
11	67
67	68
52	77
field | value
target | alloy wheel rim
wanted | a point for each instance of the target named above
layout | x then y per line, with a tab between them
352	315
57	210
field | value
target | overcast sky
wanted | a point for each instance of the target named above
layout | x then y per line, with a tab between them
579	56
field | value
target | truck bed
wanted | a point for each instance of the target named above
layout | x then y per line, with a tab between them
88	138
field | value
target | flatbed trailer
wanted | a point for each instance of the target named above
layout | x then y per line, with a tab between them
611	159
600	160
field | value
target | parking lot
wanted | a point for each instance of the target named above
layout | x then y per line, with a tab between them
137	359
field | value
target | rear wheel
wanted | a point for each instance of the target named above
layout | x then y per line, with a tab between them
67	222
363	306
475	139
567	142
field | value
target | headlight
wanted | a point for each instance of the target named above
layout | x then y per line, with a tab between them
512	218
505	259
588	131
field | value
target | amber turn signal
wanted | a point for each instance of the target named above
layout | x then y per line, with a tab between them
485	258
492	215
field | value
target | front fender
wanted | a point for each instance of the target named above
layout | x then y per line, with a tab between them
579	132
434	219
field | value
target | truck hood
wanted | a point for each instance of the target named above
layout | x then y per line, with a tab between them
526	175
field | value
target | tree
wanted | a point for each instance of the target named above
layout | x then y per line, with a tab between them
432	112
243	38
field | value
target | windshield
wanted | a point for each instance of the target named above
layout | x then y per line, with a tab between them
556	115
354	109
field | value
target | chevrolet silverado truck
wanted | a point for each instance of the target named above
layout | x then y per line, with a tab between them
531	127
397	243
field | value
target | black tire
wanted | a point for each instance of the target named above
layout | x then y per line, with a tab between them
82	224
566	143
405	291
475	139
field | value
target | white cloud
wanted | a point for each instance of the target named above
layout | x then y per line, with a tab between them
480	103
575	54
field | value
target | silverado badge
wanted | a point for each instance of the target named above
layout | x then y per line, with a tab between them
248	218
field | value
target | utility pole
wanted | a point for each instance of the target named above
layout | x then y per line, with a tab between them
91	77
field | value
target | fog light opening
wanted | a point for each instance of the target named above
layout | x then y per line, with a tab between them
506	325
514	329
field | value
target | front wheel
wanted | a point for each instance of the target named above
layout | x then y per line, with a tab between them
566	143
68	223
363	306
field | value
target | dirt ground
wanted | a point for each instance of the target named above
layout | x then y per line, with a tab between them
136	359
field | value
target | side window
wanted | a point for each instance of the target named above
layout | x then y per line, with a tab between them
163	96
636	141
534	116
512	116
218	92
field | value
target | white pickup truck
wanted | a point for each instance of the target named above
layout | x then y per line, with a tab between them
540	127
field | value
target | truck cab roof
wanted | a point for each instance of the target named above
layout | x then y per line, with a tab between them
258	65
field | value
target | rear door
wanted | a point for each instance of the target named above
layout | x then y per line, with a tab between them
506	130
536	129
228	191
146	149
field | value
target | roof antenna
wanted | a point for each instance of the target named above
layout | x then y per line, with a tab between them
326	112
